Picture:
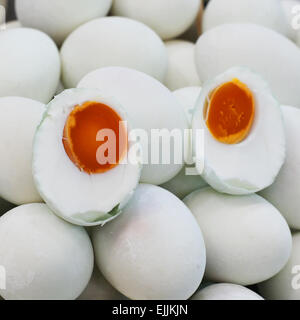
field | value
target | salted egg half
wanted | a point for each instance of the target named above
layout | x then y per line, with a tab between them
244	140
81	163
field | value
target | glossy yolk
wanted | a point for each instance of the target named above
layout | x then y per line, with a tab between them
229	112
80	136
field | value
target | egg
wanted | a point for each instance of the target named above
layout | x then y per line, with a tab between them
268	13
244	139
112	41
181	70
168	18
284	192
29	64
187	180
59	18
154	250
83	163
285	284
99	289
226	291
247	240
151	106
290	10
261	49
19	118
45	258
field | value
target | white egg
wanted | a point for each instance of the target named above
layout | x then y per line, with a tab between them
99	289
151	106
29	64
268	13
82	176
181	70
187	180
284	193
154	250
261	49
19	118
285	284
168	18
291	9
59	18
112	41
247	240
244	140
226	291
44	257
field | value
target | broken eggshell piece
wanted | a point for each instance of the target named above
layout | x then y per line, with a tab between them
244	133
66	166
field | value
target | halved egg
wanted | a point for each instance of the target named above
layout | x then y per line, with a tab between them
244	143
83	166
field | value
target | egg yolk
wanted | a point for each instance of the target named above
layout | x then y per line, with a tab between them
80	137
229	112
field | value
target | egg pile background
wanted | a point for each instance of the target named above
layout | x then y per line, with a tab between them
247	247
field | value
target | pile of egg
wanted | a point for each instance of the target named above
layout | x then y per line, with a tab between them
72	228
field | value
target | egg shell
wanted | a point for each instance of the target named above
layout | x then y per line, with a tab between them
253	163
284	193
99	289
149	104
185	183
192	34
29	64
97	197
288	9
181	70
18	122
45	258
59	18
226	291
261	49
285	284
268	13
168	18
247	240
154	250
112	41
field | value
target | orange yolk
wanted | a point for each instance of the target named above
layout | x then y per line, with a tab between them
229	113
80	136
